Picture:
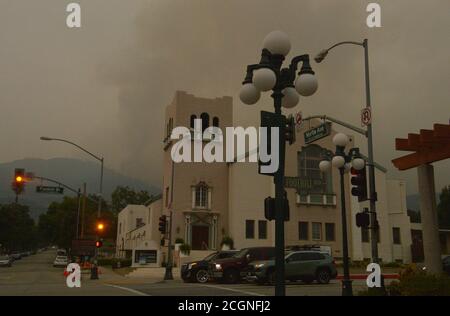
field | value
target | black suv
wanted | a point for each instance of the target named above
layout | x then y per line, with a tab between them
197	271
231	270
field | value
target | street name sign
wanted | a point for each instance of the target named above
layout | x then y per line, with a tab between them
48	189
302	185
317	133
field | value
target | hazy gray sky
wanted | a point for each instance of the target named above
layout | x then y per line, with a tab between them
105	85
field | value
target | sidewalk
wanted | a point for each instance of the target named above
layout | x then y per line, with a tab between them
140	275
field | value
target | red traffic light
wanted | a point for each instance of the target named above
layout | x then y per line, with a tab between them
98	243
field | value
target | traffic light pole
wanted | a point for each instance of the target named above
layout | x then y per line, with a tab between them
168	275
346	282
372	190
280	289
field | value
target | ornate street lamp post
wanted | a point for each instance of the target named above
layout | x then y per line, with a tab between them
268	75
344	162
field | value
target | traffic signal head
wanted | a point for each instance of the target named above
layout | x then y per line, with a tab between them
359	183
100	226
162	224
18	184
98	243
290	130
362	219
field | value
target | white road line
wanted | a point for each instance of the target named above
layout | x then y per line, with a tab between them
232	290
129	290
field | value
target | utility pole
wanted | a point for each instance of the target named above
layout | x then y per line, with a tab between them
83	210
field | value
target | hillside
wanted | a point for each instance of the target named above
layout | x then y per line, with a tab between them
72	172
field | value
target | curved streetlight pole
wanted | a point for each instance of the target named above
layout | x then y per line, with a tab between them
101	159
94	270
373	195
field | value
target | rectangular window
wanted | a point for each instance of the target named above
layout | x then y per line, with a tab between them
329	232
317	231
303	230
201	196
396	235
139	222
364	234
249	229
262	229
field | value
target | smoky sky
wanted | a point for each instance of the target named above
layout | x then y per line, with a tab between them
106	84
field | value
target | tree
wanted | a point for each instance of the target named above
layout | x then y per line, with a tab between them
59	224
17	228
443	208
122	196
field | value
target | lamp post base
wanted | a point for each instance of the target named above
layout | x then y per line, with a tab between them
168	275
347	288
94	273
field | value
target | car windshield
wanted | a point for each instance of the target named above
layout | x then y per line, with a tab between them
241	254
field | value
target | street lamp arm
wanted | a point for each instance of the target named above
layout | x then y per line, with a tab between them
346	43
79	147
58	183
331	119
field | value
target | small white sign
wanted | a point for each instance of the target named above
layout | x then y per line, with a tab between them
366	116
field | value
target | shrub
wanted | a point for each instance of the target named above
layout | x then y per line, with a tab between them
179	241
227	240
185	248
114	262
416	282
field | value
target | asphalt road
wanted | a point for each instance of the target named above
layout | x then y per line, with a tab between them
178	288
35	275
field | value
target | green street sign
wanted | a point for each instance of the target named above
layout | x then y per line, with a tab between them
51	190
317	133
302	185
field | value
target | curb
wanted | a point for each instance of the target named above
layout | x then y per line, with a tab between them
364	276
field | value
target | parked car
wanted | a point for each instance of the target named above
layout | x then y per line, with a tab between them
16	255
446	264
300	265
197	271
61	261
231	270
5	261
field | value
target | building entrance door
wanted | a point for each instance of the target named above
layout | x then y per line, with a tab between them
200	237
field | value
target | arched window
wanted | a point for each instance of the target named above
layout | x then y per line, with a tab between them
193	117
201	195
308	168
205	120
215	121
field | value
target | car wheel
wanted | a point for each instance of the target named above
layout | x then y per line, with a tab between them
231	276
323	276
202	276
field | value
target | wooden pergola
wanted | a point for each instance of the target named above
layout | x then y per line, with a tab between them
427	147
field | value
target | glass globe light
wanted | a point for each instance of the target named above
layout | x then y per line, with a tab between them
306	84
358	163
277	43
249	94
264	79
340	139
325	166
338	161
290	97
